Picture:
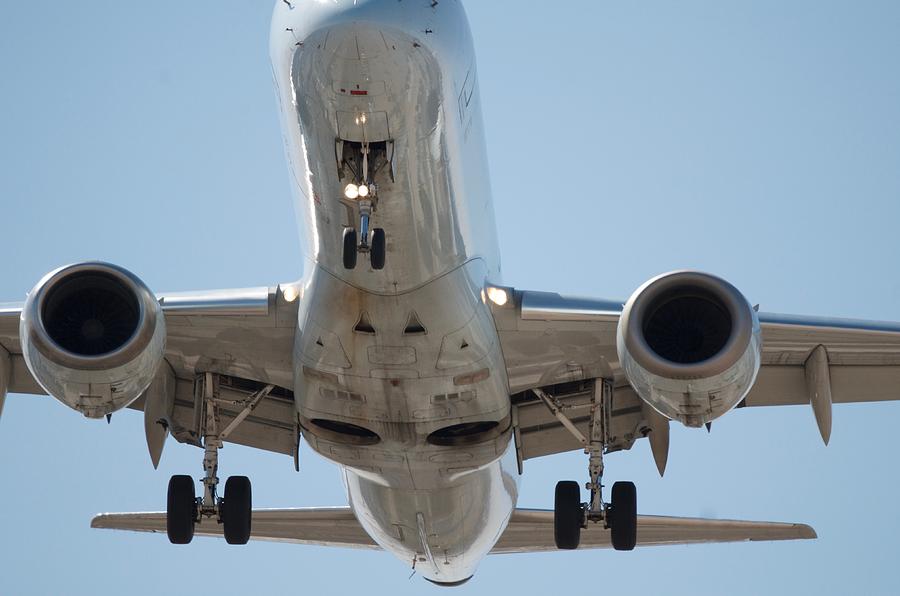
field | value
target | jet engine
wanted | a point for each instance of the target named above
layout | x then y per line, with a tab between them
93	336
689	344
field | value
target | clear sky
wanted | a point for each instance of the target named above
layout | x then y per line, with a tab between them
756	140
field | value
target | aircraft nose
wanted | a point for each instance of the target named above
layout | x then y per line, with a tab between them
419	19
356	41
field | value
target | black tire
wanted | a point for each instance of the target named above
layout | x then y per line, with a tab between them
350	248
378	250
237	510
568	515
623	516
181	510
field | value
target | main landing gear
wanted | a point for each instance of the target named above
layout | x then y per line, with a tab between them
570	515
184	510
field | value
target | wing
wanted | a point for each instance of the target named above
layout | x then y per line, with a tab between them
528	530
245	335
559	343
323	526
863	359
531	531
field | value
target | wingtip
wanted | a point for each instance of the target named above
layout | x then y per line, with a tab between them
807	532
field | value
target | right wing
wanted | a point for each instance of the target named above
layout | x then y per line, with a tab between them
322	526
529	530
244	335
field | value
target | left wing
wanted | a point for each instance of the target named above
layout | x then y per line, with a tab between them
529	530
560	343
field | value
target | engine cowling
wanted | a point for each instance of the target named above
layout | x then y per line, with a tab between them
689	343
93	336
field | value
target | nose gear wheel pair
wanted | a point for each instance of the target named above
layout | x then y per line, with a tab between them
375	245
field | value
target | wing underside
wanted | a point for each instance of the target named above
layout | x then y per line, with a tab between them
246	336
559	344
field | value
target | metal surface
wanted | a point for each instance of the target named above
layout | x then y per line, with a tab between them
532	531
209	504
5	370
251	404
334	347
529	530
818	384
159	402
698	392
548	306
557	410
367	71
599	433
242	302
95	385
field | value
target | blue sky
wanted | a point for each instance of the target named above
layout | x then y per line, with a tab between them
756	140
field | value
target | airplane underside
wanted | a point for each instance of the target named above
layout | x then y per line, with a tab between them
401	356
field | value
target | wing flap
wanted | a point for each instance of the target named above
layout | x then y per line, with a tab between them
786	385
532	531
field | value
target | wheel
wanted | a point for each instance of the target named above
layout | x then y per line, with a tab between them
181	510
623	516
568	515
237	510
378	249
350	248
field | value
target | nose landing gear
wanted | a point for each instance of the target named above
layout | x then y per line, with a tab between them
570	514
363	190
374	243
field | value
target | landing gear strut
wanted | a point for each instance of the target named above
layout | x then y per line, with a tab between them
183	509
570	514
365	192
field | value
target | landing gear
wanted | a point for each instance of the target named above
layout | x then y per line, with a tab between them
570	516
181	510
236	510
350	248
184	510
376	247
622	516
363	189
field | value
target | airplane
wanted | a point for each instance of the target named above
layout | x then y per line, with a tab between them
402	356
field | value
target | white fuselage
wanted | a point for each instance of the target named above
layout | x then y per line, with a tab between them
399	376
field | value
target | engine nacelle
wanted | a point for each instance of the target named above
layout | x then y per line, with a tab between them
690	345
93	336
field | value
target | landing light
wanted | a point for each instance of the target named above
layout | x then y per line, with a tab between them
363	191
498	296
352	191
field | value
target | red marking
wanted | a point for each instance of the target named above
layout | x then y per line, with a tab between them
358	92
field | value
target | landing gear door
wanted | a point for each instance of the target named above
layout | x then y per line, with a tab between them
360	127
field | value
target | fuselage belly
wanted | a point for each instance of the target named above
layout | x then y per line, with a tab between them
398	372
